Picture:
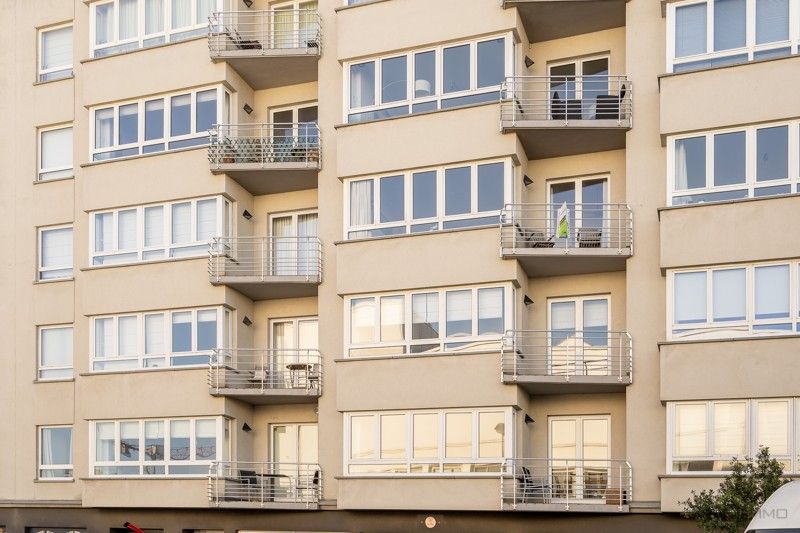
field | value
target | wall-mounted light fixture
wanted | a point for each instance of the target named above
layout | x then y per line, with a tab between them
248	3
247	214
527	301
528	419
527	181
246	321
247	109
528	62
246	428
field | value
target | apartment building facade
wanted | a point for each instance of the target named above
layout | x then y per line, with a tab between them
394	265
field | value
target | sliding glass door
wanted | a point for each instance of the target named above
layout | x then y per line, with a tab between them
587	202
294	342
579	337
294	245
575	86
579	453
294	448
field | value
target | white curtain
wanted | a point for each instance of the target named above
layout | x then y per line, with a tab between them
56	149
308	335
773	426
103	128
181	13
204	10
57	48
154	334
772	21
104	444
128	19
126	230
362	85
283	27
562	316
103	232
104	23
690	430
362	320
206	219
308	22
730	423
153	16
307	252
690	30
56	446
283	247
361	203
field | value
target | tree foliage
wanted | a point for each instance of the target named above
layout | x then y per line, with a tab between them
731	507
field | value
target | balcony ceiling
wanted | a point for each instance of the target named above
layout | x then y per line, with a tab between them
553	19
268	72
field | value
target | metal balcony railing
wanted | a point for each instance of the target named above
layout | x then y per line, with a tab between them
563	99
567	354
587	226
263	259
260	484
273	370
566	482
264	145
265	32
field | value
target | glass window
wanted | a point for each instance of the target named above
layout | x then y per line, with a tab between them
181	13
362	437
154	226
393	436
490	187
458	435
206	219
104	442
55	353
772	153
104	23
490	311
459	313
206	112
690	30
179	437
205	440
182	332
362	318
128	19
426	440
491	434
103	337
730	24
425	316
491	62
729	158
181	222
456	73
424	74
457	191
690	430
154	119
126	229
180	115
154	341
772	21
129	441
772	292
773	426
206	330
424	193
730	422
56	153
362	84
729	298
361	202
392	196
55	452
393	79
127	333
690	297
104	128
392	319
56	54
153	444
153	16
690	163
55	254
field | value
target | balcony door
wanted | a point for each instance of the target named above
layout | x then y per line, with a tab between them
294	246
295	344
587	202
293	452
579	337
295	25
575	86
579	453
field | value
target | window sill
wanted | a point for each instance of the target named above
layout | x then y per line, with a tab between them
405	235
676	342
49	281
416	356
143	156
128	52
54	180
708	475
726	202
143	370
54	481
426	113
487	475
143	263
361	4
721	67
44	381
198	477
71	77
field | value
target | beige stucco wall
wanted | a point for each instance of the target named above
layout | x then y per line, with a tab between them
466	494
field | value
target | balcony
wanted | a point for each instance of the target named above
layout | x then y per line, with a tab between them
267	158
591	237
268	48
577	485
564	362
265	268
566	115
266	376
250	485
554	19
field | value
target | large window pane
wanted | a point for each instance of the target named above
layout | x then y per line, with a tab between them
772	292
690	30
459	313
182	332
730	24
153	16
456	69
690	163
126	230
424	74
179	433
56	450
361	203
154	119
56	52
393	79
206	330
154	334
128	19
491	434
206	219
772	153
425	316
206	112
56	253
490	186
426	436
729	298
595	322
729	158
690	430
56	153
181	13
127	333
773	426
104	441
55	351
181	223
392	198
491	63
362	84
690	297
392	318
490	312
104	128
129	441
424	193
104	23
458	435
205	440
772	21
103	337
154	226
729	429
180	114
128	124
362	320
362	437
153	441
393	436
457	191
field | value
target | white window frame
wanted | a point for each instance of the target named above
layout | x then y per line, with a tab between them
41	467
730	329
223	228
140	359
39	364
750	48
751	163
98	154
439	94
751	434
480	341
578	301
408	200
43	72
167	36
223	448
441	460
41	269
42	172
295	321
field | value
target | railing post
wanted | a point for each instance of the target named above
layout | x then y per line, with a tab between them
263	257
